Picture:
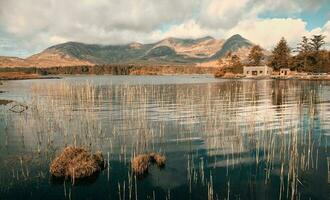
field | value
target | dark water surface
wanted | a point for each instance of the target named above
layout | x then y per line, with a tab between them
223	139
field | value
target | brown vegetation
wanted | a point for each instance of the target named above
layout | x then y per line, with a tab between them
163	70
230	64
76	163
140	163
120	69
16	75
5	102
256	55
158	159
219	73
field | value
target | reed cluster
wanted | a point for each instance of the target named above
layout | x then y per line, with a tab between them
76	163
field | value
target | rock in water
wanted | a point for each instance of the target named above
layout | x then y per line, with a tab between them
76	163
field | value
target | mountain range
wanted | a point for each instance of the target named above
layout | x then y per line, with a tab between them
167	51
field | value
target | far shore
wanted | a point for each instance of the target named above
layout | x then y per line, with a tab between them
5	76
20	73
23	73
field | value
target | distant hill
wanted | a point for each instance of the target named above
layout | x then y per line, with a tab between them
232	44
44	59
170	50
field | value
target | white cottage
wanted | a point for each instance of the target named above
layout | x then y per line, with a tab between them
252	71
284	71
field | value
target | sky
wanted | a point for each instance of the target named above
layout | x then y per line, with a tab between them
29	26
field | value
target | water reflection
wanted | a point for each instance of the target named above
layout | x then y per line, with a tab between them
223	139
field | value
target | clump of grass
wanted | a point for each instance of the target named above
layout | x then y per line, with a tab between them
76	163
157	158
140	163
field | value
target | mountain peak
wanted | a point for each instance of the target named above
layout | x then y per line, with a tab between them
171	49
234	43
135	45
207	38
237	37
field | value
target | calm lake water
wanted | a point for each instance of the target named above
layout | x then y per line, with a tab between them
223	139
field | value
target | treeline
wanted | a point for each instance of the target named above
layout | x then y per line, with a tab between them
118	69
96	69
308	56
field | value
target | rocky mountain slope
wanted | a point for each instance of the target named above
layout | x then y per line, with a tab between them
169	50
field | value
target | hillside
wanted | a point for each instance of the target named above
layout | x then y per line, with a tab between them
199	48
233	44
44	59
169	50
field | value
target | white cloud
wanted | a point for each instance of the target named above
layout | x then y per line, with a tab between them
37	24
57	39
325	30
267	32
188	29
224	14
90	21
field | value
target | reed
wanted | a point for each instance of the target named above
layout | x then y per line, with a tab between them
76	163
253	123
140	163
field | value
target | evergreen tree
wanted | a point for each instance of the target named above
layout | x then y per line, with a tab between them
317	41
304	47
256	55
280	55
302	61
235	65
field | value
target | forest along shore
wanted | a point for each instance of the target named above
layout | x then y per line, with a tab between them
20	73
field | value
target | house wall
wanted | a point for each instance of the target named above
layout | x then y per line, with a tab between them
285	72
251	71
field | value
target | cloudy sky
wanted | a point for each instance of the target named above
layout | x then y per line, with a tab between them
29	26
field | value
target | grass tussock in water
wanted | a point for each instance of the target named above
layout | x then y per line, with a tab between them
140	163
158	159
76	163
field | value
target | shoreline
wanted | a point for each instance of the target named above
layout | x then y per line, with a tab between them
29	78
23	73
36	77
7	76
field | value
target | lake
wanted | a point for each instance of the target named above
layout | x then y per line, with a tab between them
223	139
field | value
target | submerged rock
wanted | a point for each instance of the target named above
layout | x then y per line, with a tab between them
76	163
140	163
